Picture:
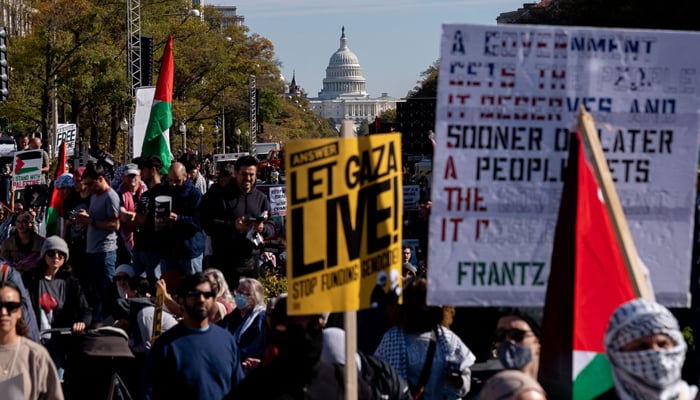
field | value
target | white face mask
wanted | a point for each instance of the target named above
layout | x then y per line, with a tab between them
122	292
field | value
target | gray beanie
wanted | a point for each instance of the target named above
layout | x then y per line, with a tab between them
54	243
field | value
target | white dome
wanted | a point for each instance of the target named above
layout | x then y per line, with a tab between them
343	74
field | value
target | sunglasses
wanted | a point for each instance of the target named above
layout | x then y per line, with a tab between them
10	306
515	334
195	294
53	253
118	278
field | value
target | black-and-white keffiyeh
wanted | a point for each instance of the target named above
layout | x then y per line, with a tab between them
647	374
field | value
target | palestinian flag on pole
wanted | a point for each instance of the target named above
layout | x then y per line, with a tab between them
587	282
55	211
161	118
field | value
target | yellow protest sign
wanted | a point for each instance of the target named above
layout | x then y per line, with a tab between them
344	220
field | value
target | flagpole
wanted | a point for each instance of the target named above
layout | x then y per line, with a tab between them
640	284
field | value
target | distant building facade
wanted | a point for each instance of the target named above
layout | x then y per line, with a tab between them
15	16
343	94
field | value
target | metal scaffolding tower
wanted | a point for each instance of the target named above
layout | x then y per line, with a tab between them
134	42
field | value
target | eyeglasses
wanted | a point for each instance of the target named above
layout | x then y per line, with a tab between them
10	306
54	253
517	335
118	278
195	294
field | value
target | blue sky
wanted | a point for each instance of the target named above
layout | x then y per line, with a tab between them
394	40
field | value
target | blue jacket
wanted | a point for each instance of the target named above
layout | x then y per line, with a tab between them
184	237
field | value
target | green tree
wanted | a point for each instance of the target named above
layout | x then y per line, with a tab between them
427	87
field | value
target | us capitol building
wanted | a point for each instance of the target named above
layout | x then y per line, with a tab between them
343	94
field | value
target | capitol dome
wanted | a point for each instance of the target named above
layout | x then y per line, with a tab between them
343	74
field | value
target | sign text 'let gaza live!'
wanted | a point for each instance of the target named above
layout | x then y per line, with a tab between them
343	220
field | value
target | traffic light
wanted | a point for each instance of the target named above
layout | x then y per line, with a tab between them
4	68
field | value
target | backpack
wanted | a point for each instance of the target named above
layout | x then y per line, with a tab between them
383	380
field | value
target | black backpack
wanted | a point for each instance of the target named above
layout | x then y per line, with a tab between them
383	379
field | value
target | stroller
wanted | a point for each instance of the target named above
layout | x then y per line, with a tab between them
94	362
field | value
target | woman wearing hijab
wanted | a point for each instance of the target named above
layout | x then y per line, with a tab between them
646	351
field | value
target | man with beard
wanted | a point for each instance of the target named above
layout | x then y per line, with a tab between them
182	239
193	360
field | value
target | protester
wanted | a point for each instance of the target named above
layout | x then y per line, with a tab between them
244	222
130	190
197	178
57	296
182	225
174	370
122	274
75	234
518	343
512	385
247	322
28	372
440	373
22	248
217	225
9	274
102	221
35	144
646	351
383	380
146	251
225	302
297	372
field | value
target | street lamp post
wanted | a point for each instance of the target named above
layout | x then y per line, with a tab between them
201	143
216	136
124	127
238	143
183	131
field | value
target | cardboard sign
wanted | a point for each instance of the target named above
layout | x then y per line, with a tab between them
507	98
343	221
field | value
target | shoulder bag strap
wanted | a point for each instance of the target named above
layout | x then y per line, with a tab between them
425	373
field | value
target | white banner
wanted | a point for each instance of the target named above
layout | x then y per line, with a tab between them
68	133
508	96
144	100
26	168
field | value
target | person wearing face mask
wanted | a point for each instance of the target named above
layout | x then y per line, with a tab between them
247	322
646	351
518	343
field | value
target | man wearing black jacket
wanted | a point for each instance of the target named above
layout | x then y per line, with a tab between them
235	215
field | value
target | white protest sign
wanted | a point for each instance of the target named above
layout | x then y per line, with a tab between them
65	132
507	98
278	200
26	168
411	196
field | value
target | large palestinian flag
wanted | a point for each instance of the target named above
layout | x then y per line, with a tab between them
161	117
587	282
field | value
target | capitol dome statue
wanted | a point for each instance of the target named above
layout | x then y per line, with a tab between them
343	74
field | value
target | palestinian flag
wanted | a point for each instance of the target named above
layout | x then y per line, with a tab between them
55	211
587	282
161	117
